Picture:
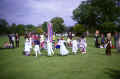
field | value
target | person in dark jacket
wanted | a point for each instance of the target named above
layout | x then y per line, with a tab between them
11	41
116	39
17	38
102	40
70	35
109	44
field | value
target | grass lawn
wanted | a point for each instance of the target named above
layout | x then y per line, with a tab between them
94	65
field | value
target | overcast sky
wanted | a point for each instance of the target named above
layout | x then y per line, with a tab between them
37	11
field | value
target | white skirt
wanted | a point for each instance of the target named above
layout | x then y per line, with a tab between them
74	48
63	50
36	48
27	49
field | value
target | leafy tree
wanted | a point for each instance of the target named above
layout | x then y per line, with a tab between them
79	29
3	26
107	10
96	13
44	26
20	29
12	28
58	24
30	28
108	27
39	30
85	14
118	24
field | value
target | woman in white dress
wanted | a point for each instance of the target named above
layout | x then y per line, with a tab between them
63	49
83	45
30	43
27	47
49	48
74	46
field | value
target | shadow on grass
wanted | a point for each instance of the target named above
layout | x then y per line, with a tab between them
1	48
113	73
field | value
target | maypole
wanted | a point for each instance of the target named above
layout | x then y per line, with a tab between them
50	38
50	32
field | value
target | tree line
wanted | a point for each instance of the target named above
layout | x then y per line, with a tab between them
57	22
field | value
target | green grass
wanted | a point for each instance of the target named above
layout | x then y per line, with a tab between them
94	65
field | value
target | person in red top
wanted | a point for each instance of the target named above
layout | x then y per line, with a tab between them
36	37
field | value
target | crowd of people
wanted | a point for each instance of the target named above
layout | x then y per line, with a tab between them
38	42
35	42
105	41
13	41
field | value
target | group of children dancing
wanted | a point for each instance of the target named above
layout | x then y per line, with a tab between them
37	42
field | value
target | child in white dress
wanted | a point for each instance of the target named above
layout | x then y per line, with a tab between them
49	48
74	46
27	47
83	45
37	47
30	43
63	49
